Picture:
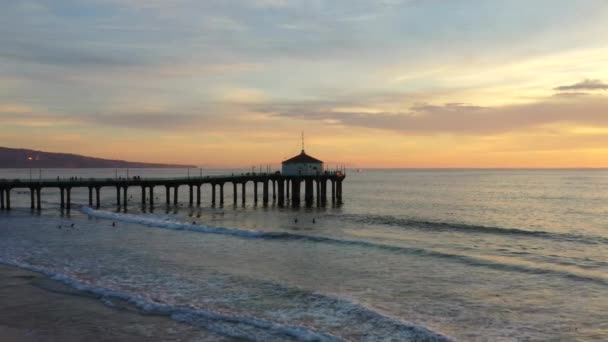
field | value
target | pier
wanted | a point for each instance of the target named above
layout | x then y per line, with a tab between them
286	190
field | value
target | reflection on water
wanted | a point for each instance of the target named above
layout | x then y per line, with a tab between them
475	255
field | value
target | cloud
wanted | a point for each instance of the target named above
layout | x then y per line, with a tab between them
64	54
454	118
587	84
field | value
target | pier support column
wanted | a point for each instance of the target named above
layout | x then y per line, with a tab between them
32	193
287	185
339	191
175	195
323	191
143	196
98	202
38	200
255	191
68	203
198	195
333	191
243	187
213	193
221	194
274	190
151	196
118	196
318	183
295	191
191	197
62	198
90	196
124	196
281	188
168	194
8	198
1	198
234	194
308	190
265	192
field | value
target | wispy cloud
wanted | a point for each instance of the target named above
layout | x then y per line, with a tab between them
587	84
455	118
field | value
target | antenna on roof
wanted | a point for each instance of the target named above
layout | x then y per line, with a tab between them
302	141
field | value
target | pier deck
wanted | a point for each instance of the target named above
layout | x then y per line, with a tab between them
286	189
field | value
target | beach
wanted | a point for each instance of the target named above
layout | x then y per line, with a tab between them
36	308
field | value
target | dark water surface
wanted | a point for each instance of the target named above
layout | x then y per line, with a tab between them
469	254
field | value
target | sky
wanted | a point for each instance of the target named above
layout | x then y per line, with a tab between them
376	83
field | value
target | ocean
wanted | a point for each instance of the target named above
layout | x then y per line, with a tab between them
420	255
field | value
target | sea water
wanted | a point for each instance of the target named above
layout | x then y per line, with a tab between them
472	255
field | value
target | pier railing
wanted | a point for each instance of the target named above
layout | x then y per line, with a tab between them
285	189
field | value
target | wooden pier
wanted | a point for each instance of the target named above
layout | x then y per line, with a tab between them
286	190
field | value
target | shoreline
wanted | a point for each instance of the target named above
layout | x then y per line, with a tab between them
34	307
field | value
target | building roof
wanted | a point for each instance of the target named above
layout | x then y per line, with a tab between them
302	158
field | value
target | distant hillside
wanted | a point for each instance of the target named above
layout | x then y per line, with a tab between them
21	158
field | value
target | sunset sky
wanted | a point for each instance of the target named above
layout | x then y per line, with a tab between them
376	83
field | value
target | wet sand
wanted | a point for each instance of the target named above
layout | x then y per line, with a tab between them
35	308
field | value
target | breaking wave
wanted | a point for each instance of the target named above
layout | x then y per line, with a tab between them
232	325
467	228
254	234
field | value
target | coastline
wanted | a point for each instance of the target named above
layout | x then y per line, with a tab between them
36	308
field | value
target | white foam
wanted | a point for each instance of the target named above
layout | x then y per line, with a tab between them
225	324
162	222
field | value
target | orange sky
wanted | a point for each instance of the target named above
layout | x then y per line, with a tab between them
371	83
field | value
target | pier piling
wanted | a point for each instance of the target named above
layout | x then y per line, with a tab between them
38	199
265	192
198	194
234	195
68	203
97	201
213	194
284	189
32	194
243	187
255	191
221	194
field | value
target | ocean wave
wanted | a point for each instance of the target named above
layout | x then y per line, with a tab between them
255	234
238	326
468	228
228	325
